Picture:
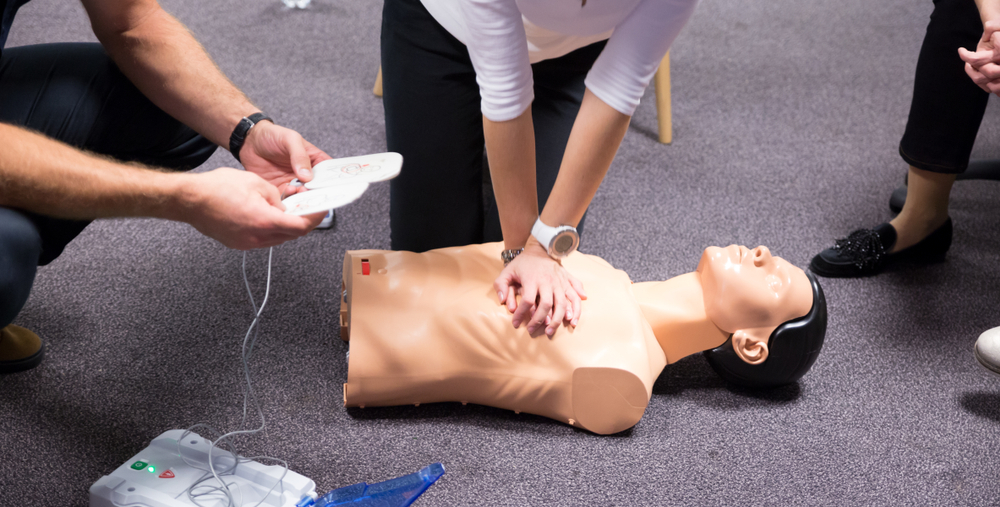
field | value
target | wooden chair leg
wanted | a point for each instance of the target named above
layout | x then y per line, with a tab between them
378	83
661	83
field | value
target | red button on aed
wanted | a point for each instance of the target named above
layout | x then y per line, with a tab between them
167	475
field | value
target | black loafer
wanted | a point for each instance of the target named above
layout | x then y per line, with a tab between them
865	252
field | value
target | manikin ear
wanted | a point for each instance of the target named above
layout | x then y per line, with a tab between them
751	344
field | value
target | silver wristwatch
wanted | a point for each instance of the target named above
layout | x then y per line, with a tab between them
557	241
508	255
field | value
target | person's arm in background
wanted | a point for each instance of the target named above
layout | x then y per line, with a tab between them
161	57
237	208
983	65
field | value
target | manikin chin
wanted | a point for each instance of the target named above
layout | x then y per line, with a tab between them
428	327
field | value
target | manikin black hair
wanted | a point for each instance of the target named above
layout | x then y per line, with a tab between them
792	350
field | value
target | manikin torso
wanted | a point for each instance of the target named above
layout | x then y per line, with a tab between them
428	327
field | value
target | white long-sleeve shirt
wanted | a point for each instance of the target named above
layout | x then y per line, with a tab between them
505	37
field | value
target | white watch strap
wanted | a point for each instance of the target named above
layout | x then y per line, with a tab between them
543	233
549	236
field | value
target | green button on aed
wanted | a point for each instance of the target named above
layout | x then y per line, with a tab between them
139	465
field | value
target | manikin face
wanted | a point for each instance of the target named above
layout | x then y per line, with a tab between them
749	293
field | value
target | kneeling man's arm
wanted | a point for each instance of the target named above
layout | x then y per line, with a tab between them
237	208
161	57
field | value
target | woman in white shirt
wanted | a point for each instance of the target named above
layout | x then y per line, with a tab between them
549	87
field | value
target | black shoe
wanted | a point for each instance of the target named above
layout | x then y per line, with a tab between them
865	252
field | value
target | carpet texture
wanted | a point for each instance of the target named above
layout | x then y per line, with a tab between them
787	119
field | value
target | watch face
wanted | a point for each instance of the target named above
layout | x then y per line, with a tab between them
564	243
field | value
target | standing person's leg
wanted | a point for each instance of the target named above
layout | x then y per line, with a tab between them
433	118
944	118
945	114
74	93
559	89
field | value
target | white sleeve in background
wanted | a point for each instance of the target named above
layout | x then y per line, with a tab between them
633	53
498	48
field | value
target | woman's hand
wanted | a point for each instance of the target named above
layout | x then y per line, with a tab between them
982	65
549	294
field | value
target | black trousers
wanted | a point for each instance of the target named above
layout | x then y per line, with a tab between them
76	94
433	118
947	106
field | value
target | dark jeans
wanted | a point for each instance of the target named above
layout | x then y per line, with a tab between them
433	118
76	94
947	106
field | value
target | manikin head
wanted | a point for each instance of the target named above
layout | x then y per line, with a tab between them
757	298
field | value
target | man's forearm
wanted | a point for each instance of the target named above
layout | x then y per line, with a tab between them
161	57
510	146
597	133
45	176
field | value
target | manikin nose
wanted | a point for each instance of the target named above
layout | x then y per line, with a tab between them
761	256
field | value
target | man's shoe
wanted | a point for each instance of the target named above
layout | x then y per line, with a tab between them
866	252
327	220
987	350
20	349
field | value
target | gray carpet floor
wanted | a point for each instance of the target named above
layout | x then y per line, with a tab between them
787	118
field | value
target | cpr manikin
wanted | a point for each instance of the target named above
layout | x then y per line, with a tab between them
428	327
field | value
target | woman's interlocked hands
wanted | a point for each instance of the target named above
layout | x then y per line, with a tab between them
549	295
983	65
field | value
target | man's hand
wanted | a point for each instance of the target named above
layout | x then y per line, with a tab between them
983	65
549	294
279	155
240	210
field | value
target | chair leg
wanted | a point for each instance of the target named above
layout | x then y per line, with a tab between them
661	83
378	83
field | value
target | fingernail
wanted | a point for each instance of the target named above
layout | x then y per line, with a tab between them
531	329
575	321
500	295
306	172
569	314
550	331
516	324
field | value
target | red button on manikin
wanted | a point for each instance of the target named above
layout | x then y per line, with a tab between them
169	474
366	269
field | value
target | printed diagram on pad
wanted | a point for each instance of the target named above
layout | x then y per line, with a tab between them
340	181
366	168
324	199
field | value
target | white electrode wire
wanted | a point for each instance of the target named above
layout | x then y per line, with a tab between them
249	399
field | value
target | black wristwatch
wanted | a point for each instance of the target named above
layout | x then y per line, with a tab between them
242	129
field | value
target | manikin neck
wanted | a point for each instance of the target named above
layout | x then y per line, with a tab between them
675	309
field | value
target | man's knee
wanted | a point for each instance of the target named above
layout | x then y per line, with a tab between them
20	246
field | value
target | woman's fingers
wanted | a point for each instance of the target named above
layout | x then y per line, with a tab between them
573	313
525	307
503	284
549	296
542	309
555	319
577	286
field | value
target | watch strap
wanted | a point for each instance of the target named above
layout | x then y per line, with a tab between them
508	255
241	131
543	233
546	234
